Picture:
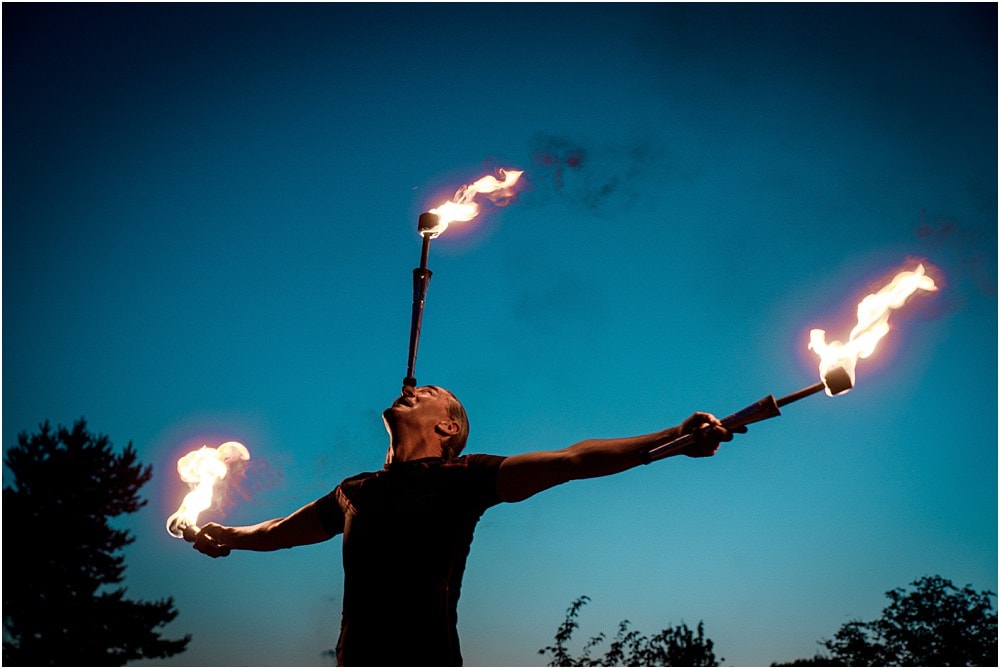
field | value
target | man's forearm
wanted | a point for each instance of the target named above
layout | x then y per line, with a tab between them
522	476
300	528
265	536
601	457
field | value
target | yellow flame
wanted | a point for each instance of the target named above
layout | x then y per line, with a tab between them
202	469
463	207
873	323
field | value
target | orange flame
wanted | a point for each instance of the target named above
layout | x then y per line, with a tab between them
463	207
202	469
873	323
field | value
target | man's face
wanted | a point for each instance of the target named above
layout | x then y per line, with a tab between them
418	407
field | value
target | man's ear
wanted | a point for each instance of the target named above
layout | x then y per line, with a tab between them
447	428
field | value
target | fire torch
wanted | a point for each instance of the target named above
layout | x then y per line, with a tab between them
202	469
837	360
428	225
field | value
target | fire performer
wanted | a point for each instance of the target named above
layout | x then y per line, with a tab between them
407	529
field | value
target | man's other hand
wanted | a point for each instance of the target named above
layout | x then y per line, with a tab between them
206	544
708	433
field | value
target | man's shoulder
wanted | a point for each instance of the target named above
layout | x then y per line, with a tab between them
358	477
484	460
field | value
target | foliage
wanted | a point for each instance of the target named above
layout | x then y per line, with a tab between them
817	660
63	556
672	647
934	625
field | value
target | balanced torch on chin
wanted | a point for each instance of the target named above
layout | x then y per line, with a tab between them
461	208
428	225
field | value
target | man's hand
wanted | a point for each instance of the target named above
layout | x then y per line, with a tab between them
208	541
708	433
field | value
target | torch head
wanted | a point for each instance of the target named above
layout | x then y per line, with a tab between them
837	381
428	225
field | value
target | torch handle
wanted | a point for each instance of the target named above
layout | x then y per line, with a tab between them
762	409
421	279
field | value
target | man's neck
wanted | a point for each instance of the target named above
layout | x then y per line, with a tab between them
413	449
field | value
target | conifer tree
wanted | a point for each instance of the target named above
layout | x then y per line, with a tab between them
63	602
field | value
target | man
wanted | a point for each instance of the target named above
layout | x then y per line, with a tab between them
408	528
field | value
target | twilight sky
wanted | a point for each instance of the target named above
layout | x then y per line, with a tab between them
209	225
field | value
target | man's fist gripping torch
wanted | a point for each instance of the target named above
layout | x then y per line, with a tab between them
836	381
192	534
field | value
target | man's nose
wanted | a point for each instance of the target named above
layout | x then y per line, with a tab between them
409	391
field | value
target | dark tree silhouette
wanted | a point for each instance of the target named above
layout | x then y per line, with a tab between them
934	625
672	647
63	558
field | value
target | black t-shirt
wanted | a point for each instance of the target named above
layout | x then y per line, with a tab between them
407	532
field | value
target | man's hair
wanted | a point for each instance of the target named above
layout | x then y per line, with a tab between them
454	445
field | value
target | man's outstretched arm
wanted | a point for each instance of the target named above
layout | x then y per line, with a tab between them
522	476
298	529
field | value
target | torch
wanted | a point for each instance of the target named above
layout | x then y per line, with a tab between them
428	225
835	382
837	360
462	207
202	469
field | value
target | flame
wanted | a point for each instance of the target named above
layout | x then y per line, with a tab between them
463	207
873	323
202	469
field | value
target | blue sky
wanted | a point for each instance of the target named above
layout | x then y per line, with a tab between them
209	224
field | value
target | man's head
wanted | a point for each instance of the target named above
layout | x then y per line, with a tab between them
457	413
428	413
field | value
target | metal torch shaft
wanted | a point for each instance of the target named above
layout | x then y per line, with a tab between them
799	394
425	249
836	379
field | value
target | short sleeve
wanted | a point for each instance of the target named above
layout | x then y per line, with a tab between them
331	515
483	470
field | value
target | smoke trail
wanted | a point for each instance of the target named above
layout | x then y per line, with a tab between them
250	479
969	256
597	178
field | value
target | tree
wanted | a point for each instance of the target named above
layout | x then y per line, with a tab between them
934	625
672	647
60	603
